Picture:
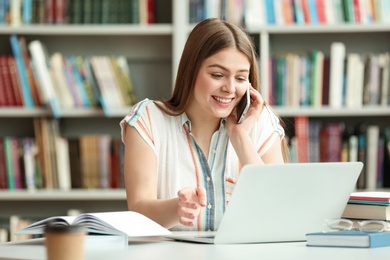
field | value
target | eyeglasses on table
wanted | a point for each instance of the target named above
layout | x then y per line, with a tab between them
368	226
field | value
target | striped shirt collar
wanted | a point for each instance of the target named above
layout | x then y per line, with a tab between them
185	120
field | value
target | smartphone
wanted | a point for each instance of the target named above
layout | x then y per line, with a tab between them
243	106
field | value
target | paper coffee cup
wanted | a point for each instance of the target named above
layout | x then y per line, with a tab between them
64	242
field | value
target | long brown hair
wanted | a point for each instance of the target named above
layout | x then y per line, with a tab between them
207	38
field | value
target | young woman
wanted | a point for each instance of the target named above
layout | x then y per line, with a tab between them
183	156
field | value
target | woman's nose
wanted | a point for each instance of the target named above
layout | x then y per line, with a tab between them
229	86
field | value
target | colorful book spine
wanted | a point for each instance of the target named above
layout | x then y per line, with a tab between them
78	82
16	163
302	136
21	67
15	85
3	169
9	162
40	60
27	11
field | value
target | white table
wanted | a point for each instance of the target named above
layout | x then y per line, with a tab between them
161	248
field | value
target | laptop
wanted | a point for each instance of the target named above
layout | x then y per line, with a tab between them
282	202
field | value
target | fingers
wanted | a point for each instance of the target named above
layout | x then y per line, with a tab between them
189	204
201	196
256	96
186	218
188	212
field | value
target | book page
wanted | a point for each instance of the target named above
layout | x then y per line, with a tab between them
122	222
38	227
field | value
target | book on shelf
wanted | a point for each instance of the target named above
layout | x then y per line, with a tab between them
279	9
103	157
334	141
18	12
29	71
384	63
15	15
30	165
40	59
371	80
21	72
52	161
313	11
57	68
122	74
254	12
88	161
293	81
75	80
386	156
71	83
90	80
78	64
316	78
338	80
372	157
16	223
15	83
103	73
9	146
354	78
122	223
337	56
349	238
270	11
3	169
302	137
116	164
361	138
75	165
314	127
63	163
325	81
8	93
282	12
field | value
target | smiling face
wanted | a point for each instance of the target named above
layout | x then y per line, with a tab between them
220	84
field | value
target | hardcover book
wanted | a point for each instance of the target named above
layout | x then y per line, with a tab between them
366	211
45	82
349	238
371	197
21	72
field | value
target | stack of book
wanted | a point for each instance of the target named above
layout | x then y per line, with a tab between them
361	206
368	205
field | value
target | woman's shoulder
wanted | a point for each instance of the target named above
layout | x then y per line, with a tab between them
268	115
146	109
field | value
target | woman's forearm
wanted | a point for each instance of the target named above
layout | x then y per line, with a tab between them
163	212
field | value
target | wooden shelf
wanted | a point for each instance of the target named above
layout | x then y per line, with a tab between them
22	112
74	195
333	112
98	29
120	113
321	28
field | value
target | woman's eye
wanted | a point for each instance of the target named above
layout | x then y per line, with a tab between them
216	75
241	79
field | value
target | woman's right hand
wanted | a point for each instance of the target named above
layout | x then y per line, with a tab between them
191	200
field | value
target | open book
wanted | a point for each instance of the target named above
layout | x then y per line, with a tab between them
125	223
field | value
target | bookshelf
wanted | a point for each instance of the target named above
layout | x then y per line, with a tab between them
153	52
